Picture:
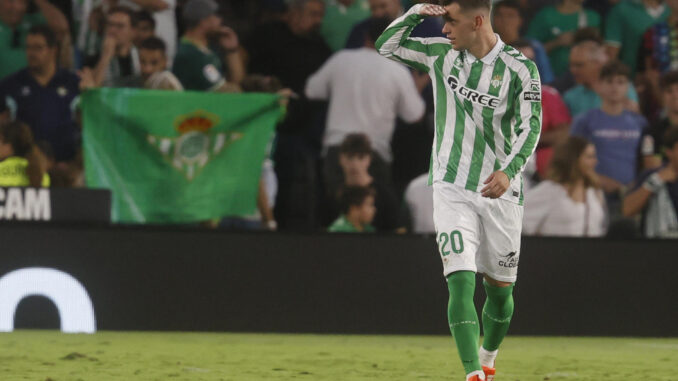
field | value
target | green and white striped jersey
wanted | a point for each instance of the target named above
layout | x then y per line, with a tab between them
487	111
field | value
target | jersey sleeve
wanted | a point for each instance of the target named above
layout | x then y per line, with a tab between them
528	115
419	53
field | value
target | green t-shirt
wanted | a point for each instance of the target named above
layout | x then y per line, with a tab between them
548	24
339	20
624	27
342	225
13	51
13	173
197	68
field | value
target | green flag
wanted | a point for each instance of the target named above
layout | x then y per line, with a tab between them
176	157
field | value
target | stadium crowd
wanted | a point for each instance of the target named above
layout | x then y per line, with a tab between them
352	153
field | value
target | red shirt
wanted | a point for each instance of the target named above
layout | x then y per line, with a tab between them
554	113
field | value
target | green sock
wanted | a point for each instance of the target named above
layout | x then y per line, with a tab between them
463	319
497	314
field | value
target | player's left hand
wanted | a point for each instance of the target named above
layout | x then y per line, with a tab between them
496	185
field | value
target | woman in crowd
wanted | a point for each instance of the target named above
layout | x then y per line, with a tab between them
570	202
21	161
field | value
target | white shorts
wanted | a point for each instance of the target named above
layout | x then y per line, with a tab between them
475	233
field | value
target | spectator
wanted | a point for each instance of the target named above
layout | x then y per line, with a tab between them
366	95
614	131
555	27
340	17
15	23
144	28
357	210
556	118
118	62
653	141
22	163
586	61
4	112
507	21
196	66
355	157
153	62
44	96
391	9
625	25
658	53
656	194
569	202
419	202
291	50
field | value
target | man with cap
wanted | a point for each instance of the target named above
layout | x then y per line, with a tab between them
195	65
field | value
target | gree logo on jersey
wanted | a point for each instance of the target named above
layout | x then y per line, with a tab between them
472	95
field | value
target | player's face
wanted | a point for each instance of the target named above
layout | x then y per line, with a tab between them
670	96
367	210
588	160
507	21
152	61
385	8
459	27
614	89
38	54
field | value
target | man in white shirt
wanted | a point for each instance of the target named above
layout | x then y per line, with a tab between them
366	93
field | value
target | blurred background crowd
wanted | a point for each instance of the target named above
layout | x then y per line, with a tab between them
352	152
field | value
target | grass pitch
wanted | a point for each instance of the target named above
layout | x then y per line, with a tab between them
50	355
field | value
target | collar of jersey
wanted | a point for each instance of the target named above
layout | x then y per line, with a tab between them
489	57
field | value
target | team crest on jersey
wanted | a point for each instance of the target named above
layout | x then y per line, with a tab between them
534	93
472	95
496	81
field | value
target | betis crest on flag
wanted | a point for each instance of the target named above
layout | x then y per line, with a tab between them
177	157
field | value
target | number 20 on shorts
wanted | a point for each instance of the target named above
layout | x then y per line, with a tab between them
454	240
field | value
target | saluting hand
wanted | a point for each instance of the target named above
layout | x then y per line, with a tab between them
496	185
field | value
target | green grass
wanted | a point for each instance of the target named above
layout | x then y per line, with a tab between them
49	355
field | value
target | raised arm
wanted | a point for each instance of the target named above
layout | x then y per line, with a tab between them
419	53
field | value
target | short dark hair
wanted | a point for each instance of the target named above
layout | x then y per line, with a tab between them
513	4
141	16
153	43
615	69
123	9
44	31
376	26
669	79
469	4
587	34
355	144
353	196
670	138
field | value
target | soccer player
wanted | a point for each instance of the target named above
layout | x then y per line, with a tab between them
488	120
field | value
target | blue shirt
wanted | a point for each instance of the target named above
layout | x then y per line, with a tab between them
429	27
541	58
580	99
616	138
48	110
